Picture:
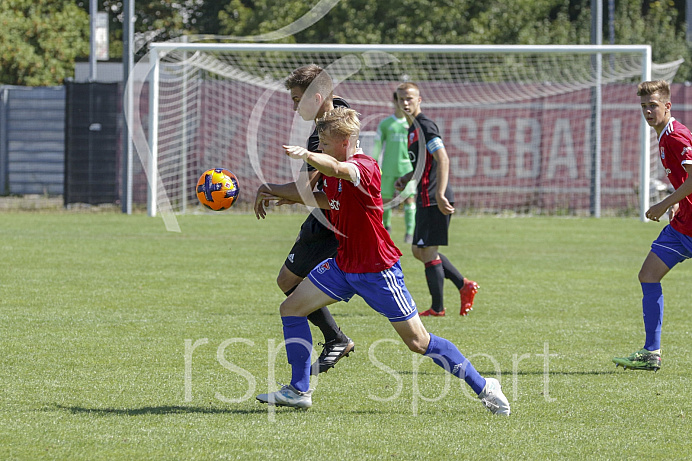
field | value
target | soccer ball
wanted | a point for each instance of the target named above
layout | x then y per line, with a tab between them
217	189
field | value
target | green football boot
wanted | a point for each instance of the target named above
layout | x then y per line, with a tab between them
641	360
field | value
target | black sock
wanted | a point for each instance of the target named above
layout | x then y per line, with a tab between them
435	275
323	320
451	272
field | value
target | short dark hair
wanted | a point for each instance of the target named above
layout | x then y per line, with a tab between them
312	76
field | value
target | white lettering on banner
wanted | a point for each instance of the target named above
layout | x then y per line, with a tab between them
525	148
562	150
462	136
530	145
495	168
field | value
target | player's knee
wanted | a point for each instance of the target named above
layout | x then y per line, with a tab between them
417	253
287	308
282	283
417	345
646	276
286	280
642	276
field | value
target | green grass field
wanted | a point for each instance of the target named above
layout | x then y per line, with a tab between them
120	340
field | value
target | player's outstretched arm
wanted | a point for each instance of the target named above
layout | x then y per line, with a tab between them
278	192
656	211
325	164
268	192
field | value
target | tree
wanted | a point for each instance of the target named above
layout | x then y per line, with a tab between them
202	16
654	23
40	40
354	21
533	22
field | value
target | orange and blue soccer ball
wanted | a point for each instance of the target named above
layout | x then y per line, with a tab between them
217	189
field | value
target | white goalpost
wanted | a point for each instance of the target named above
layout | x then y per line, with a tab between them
529	129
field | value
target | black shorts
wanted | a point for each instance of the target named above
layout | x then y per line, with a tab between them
431	227
314	244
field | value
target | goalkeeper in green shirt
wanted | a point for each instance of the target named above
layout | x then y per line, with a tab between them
392	133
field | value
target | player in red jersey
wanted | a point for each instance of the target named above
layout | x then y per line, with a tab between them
367	264
434	203
674	243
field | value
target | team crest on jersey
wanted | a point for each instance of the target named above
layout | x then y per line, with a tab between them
339	188
322	268
663	154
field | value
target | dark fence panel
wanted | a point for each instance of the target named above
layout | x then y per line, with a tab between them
91	143
32	140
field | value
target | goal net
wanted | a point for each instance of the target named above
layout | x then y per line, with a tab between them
528	129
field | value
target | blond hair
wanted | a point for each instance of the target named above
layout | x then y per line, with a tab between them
656	86
408	86
340	122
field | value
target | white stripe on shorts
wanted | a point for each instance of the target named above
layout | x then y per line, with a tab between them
672	250
397	293
325	288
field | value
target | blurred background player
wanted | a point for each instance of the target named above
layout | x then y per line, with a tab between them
367	264
674	243
311	91
434	203
392	133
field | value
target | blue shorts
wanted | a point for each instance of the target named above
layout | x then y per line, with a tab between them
383	291
672	246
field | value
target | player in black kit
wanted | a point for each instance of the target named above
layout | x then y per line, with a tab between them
434	203
311	91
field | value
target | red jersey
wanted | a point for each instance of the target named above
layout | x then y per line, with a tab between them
675	149
356	214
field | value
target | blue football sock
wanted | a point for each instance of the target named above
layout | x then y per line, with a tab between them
652	309
448	356
298	348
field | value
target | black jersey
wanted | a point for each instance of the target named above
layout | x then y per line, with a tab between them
424	128
313	143
314	139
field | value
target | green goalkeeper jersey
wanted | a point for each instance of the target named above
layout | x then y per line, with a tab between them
392	132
